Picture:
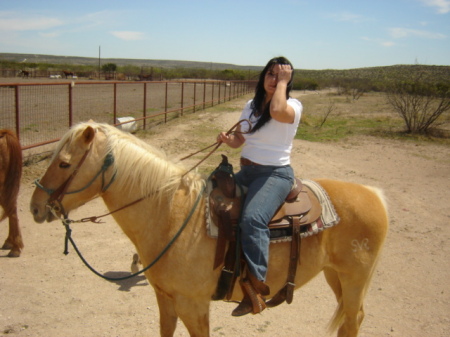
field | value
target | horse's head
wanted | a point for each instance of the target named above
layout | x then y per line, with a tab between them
71	178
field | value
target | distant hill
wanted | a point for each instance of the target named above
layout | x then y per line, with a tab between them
382	74
92	61
386	73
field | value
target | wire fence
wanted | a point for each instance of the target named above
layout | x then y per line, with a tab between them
40	113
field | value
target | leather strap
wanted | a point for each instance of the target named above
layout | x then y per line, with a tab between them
224	223
227	279
287	292
294	259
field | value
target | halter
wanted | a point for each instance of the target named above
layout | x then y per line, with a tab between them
56	196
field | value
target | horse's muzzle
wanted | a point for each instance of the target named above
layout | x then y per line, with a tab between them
41	214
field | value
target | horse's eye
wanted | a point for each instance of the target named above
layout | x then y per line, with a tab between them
64	165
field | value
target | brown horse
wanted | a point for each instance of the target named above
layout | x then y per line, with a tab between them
67	74
10	174
183	278
24	73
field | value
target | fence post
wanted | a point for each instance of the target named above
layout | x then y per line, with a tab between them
182	98
115	103
16	92
165	104
195	93
212	93
204	94
219	85
145	105
70	106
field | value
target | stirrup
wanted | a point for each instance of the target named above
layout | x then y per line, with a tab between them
252	302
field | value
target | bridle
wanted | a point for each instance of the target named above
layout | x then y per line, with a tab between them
54	203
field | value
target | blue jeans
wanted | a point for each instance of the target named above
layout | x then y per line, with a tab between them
268	187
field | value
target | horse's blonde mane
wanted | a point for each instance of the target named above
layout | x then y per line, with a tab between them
142	169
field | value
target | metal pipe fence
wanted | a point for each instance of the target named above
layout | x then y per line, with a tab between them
40	113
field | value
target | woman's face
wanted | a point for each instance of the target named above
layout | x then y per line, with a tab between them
271	80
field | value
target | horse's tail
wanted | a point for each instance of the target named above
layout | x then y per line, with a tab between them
13	172
380	194
338	318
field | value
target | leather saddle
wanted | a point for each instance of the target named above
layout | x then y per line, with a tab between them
300	209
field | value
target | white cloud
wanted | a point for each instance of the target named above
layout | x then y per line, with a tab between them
11	21
387	43
381	42
106	18
443	6
49	35
128	36
398	33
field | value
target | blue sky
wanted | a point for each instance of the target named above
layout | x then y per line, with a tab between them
313	34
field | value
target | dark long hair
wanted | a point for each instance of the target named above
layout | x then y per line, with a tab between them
260	93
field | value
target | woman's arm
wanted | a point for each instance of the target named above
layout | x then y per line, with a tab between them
279	109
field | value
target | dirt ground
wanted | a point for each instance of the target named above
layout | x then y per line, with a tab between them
45	293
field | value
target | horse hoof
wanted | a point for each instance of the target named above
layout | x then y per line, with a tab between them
14	253
7	246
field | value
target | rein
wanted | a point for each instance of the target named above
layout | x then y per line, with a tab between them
66	222
56	196
216	144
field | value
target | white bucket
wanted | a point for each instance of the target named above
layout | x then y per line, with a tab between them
128	127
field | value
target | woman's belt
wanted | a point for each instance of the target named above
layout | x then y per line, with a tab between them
248	162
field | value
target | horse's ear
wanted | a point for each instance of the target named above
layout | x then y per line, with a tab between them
88	134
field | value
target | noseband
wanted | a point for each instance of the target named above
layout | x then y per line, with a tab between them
56	196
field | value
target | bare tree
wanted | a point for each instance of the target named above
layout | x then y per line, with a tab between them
419	104
329	109
352	88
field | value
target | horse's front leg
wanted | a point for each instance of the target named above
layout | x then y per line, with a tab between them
167	315
194	312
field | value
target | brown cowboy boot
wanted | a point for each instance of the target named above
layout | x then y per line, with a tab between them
253	301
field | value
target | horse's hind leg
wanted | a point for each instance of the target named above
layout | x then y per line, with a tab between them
14	239
353	292
333	281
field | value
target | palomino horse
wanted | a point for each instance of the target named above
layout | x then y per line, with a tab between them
183	278
10	173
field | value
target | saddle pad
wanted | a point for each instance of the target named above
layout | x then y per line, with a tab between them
329	217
